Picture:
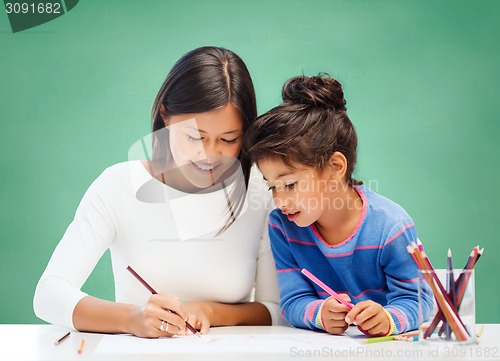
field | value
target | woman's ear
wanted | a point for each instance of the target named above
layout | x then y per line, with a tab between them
338	164
164	116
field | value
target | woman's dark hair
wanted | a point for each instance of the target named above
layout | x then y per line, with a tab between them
307	127
202	80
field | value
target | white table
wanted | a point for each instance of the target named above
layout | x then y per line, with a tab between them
36	343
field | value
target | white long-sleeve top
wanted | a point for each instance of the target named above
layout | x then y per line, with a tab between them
169	238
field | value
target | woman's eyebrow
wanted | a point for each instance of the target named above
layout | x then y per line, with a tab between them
204	131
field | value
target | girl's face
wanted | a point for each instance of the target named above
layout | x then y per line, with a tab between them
303	194
205	145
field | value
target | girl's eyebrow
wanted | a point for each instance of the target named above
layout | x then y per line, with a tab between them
204	131
279	175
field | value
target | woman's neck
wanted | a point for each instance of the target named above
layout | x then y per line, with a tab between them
336	225
172	178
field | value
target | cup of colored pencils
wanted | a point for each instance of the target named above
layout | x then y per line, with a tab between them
453	316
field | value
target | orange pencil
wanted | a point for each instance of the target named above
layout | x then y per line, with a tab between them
82	344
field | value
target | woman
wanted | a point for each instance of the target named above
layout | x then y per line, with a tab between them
190	219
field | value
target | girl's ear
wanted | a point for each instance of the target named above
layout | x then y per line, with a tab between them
164	116
338	164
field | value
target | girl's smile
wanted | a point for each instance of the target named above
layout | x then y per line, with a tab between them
308	196
298	192
292	217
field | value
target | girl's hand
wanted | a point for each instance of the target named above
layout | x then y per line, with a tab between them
370	317
198	315
333	314
163	315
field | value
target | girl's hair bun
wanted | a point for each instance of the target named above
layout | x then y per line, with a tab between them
319	91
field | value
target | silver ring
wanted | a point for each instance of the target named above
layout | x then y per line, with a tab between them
166	328
162	324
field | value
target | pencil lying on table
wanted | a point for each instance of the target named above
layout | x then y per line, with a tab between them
409	336
58	342
82	344
152	290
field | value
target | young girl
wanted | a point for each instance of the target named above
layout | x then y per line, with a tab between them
350	237
178	218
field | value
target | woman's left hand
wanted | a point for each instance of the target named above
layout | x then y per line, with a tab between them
199	315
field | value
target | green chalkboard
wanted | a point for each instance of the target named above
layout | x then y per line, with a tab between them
421	80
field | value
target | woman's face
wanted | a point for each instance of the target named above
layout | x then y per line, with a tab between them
205	145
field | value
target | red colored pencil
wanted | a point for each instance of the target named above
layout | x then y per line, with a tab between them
462	285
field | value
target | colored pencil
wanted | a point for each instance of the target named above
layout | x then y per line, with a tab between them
450	285
326	288
429	267
439	315
152	290
480	331
410	339
460	286
424	260
400	337
380	339
58	342
440	294
447	307
82	344
451	278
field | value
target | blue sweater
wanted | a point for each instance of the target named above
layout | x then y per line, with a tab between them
372	264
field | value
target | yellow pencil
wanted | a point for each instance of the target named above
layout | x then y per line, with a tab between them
479	333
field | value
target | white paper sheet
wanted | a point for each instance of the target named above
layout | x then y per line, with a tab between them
224	343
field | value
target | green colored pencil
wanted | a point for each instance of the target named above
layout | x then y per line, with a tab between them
380	339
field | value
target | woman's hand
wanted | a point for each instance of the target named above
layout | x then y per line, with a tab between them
199	315
333	314
162	315
370	318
